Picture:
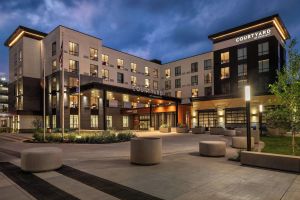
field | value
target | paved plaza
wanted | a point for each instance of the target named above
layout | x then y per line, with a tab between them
103	171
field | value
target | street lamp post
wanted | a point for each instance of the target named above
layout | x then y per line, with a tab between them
260	118
247	99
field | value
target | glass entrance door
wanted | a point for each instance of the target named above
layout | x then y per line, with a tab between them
144	122
207	118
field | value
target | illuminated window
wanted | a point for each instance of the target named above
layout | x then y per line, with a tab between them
242	53
73	49
53	48
194	67
155	85
168	73
147	83
263	48
105	74
109	121
147	71
178	94
120	63
53	121
178	71
94	100
104	59
73	121
133	80
225	57
208	78
94	70
168	85
207	64
54	65
195	92
73	82
94	121
263	65
225	72
242	70
73	101
53	84
194	80
93	54
177	83
133	67
125	121
120	77
73	66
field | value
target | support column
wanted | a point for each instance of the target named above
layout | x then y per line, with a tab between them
198	121
150	115
176	118
104	110
248	126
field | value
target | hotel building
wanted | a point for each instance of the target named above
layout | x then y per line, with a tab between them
122	91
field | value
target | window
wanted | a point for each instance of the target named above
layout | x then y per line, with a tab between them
73	49
20	56
94	100
73	101
105	74
263	65
53	48
242	70
73	82
168	73
147	83
73	66
94	54
207	64
235	116
120	77
120	63
54	65
225	57
53	121
155	73
94	121
133	67
94	70
242	53
178	71
168	85
155	85
225	88
109	121
263	48
225	72
194	80
125	121
73	121
168	94
104	59
133	80
178	94
53	101
194	67
194	92
242	83
208	91
208	78
147	71
177	83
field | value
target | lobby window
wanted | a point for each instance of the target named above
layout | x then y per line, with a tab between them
147	83
208	91
208	78
94	100
94	121
225	72
147	71
54	65
177	83
263	48
109	121
155	73
120	77
104	59
73	121
263	66
53	48
225	57
73	66
73	82
194	67
105	74
242	83
125	121
53	121
168	73
155	85
133	67
73	101
178	71
133	80
94	54
178	94
195	92
194	80
73	48
242	70
94	70
242	53
207	64
120	63
168	85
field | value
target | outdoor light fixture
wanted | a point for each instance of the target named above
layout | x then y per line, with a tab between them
260	118
261	108
247	99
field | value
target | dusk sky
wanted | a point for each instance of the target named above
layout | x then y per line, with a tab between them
161	29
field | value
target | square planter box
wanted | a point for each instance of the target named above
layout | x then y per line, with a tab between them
199	130
165	130
182	130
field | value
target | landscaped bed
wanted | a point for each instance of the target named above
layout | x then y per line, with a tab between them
100	137
280	145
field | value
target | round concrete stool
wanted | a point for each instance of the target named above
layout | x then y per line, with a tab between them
41	159
145	150
229	133
212	148
240	142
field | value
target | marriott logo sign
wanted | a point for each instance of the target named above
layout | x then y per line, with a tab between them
254	36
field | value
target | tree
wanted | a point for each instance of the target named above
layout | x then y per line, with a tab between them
287	92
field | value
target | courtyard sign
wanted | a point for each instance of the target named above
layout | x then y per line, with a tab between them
146	90
254	36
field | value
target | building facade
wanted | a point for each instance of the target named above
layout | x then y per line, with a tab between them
4	115
107	88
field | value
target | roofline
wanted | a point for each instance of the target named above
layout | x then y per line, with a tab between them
78	32
199	54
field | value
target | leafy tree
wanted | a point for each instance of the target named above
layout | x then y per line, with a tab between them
287	92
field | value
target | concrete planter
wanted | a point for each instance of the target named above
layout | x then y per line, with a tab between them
199	130
254	133
240	142
145	150
212	148
217	131
271	161
182	130
165	130
229	133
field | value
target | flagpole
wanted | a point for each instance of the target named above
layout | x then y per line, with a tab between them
62	91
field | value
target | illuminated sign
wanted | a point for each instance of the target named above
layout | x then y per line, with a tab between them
146	90
254	36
